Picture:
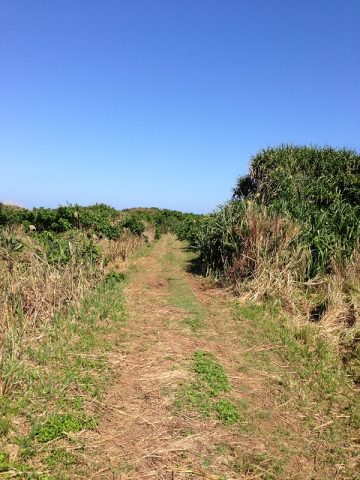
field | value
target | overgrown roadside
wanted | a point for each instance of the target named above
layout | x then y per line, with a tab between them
239	392
53	381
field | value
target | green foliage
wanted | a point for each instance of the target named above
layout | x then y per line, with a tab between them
10	242
4	462
60	457
191	397
316	190
187	227
12	215
312	357
317	187
164	220
72	246
203	394
227	412
217	237
100	218
5	425
58	425
210	373
114	277
134	224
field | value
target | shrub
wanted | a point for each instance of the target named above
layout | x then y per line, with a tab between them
73	246
244	242
317	187
135	225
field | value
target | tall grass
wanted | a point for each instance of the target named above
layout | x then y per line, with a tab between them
41	276
254	250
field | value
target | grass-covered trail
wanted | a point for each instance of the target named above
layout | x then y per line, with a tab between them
208	389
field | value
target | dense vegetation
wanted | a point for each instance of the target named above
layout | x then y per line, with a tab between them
317	187
100	219
291	233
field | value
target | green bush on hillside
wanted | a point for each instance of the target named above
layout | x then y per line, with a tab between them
317	187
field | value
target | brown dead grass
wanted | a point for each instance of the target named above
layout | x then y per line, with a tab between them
33	290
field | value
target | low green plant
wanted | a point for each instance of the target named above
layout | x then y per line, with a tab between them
4	462
210	373
70	247
10	241
203	393
5	425
59	457
114	277
58	425
227	412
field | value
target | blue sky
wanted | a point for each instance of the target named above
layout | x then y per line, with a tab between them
162	103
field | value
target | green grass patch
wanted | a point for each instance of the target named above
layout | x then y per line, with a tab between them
210	373
55	379
315	360
60	458
227	412
59	425
180	293
304	374
202	395
181	296
4	462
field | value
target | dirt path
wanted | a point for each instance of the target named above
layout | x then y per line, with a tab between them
148	431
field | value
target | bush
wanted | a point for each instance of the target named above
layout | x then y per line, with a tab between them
317	187
11	215
135	225
74	246
100	218
244	243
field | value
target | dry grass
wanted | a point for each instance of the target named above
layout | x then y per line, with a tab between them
341	293
118	251
269	262
33	289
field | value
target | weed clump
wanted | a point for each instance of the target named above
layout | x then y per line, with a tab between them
203	394
58	425
210	373
227	412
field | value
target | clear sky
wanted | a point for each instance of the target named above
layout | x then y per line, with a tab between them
162	102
